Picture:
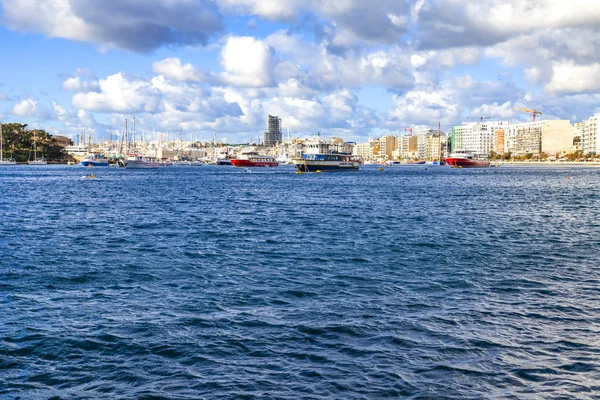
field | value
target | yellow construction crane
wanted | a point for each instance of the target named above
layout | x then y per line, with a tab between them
533	112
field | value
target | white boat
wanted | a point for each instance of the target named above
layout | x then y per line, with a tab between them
197	163
8	161
41	161
136	161
322	155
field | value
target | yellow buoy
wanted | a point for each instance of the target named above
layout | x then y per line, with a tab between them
299	172
379	169
318	171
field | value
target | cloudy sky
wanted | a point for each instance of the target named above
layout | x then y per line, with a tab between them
349	68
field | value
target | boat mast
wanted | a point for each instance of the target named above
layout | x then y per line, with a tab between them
34	147
1	143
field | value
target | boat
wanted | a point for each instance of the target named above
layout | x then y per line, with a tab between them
94	160
35	161
254	160
466	160
8	161
197	163
224	161
321	155
136	161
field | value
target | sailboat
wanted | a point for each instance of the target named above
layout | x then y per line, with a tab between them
41	161
9	161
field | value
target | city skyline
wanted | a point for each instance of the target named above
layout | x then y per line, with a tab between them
348	68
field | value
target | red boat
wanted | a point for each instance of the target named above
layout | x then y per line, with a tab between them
463	160
255	160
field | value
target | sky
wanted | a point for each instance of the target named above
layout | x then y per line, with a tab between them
355	69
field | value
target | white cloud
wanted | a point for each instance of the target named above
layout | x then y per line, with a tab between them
26	108
77	84
247	62
568	77
173	69
133	25
495	110
119	94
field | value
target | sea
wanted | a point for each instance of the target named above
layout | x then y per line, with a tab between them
217	282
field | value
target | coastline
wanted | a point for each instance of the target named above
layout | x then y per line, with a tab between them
546	163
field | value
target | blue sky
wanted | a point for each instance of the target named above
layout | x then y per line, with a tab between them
348	68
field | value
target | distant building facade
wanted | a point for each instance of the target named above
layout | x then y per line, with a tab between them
550	137
476	137
590	144
62	141
273	134
387	145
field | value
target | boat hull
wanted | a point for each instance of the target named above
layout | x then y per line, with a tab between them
466	163
303	165
134	164
250	163
94	163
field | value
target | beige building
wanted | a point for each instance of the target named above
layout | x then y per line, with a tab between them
367	150
387	145
550	137
407	148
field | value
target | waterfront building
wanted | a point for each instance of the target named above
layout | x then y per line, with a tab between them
434	145
407	148
499	141
273	134
367	150
550	137
589	135
476	137
387	145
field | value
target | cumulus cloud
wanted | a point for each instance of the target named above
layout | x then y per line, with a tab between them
567	77
173	69
128	24
26	108
247	62
119	93
78	84
450	23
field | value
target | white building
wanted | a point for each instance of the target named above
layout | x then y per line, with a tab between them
589	135
476	137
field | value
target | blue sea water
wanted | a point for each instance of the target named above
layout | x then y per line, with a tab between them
217	282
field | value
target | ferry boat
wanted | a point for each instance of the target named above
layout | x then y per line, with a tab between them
321	155
94	160
466	160
136	161
254	160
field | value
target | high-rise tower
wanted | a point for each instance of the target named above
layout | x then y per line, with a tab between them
273	135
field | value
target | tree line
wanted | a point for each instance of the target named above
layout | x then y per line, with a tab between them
18	143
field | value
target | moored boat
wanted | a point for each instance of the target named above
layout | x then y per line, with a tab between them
466	160
94	160
255	160
136	161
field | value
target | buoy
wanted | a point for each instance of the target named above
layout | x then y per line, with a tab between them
318	171
299	172
379	169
